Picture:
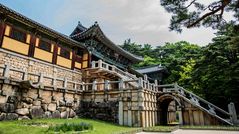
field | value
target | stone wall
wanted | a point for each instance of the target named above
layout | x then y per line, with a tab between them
19	103
36	66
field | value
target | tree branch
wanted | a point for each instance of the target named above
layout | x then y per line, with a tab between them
223	5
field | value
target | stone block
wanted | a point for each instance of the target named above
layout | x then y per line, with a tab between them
3	99
51	107
12	116
61	109
48	114
28	100
44	107
64	114
7	107
36	112
56	114
12	99
23	118
3	116
22	111
69	103
72	113
36	103
62	103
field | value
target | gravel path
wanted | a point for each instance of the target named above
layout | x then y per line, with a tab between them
180	131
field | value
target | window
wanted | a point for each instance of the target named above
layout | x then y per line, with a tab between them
45	46
18	35
79	52
65	53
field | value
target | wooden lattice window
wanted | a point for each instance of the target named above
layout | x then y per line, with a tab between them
45	45
65	53
18	35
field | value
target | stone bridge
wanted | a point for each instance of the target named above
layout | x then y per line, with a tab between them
129	101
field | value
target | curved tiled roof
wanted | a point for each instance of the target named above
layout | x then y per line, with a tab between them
31	23
95	31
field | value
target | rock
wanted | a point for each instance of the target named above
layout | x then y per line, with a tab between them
12	116
36	112
51	107
61	109
7	107
62	103
22	111
72	113
28	100
12	99
44	107
43	102
48	115
23	118
3	99
3	116
56	114
69	103
37	103
64	114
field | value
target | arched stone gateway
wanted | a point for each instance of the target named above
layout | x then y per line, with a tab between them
165	114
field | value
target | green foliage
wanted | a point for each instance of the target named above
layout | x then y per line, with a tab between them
211	72
193	13
71	127
216	74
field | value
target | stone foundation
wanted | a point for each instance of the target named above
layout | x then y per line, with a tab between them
18	103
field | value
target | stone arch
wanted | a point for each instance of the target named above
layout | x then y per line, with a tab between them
163	102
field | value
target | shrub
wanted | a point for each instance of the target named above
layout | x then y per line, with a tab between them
71	127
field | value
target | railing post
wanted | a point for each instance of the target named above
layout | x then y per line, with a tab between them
140	83
93	64
6	71
121	85
25	75
75	86
83	86
94	87
107	85
232	111
156	85
65	83
100	63
41	78
113	68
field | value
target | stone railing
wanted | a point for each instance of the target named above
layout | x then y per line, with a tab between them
200	102
109	67
13	75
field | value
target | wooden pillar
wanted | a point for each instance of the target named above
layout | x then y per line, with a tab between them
73	59
2	31
32	46
54	59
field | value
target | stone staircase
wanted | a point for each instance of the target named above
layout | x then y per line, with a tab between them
201	103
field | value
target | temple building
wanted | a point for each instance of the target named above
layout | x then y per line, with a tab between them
46	74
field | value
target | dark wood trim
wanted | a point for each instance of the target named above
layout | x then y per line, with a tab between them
32	46
2	31
89	60
55	50
73	59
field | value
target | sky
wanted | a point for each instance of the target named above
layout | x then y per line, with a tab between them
143	21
